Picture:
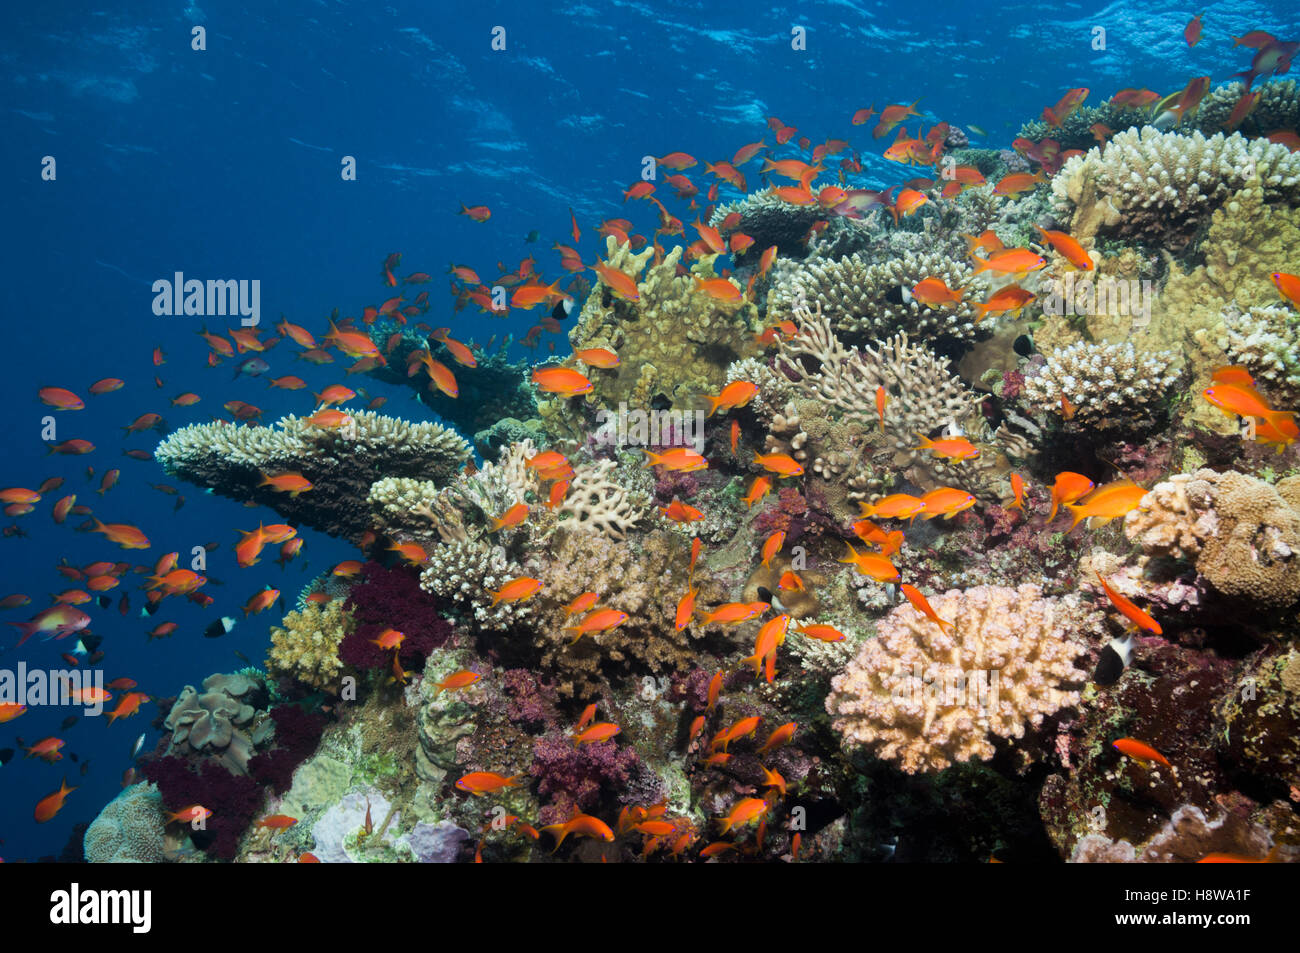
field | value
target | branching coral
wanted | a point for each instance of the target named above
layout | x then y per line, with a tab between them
341	463
923	395
925	697
1110	386
860	298
682	338
1267	341
1242	534
595	503
306	646
1160	187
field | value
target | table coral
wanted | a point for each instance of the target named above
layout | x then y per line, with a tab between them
341	463
1020	644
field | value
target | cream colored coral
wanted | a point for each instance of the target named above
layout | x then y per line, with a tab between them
925	697
1248	534
306	646
1152	179
1110	385
597	504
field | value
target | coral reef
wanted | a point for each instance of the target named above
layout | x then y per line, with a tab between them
219	721
1241	533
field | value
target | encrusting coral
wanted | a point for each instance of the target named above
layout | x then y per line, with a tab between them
1242	534
926	697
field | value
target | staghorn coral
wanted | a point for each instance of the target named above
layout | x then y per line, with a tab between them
1159	187
999	670
219	721
1242	534
1111	386
681	337
595	503
1266	340
342	463
305	647
858	297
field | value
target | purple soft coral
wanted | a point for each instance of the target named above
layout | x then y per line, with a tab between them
391	599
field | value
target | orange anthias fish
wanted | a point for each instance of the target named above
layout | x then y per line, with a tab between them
735	394
602	620
580	825
682	459
1289	286
51	804
772	546
601	731
1018	489
679	512
734	613
770	635
455	682
277	822
510	518
619	282
782	464
1068	247
685	609
1140	751
517	590
1010	298
922	605
1068	487
935	291
479	783
746	811
758	489
1106	503
823	633
950	448
561	380
946	501
582	603
125	535
898	506
871	564
1129	610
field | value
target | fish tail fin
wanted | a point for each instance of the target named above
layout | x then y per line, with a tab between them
714	402
926	442
981	264
651	457
1079	516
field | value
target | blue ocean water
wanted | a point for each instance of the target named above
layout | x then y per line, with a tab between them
225	163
